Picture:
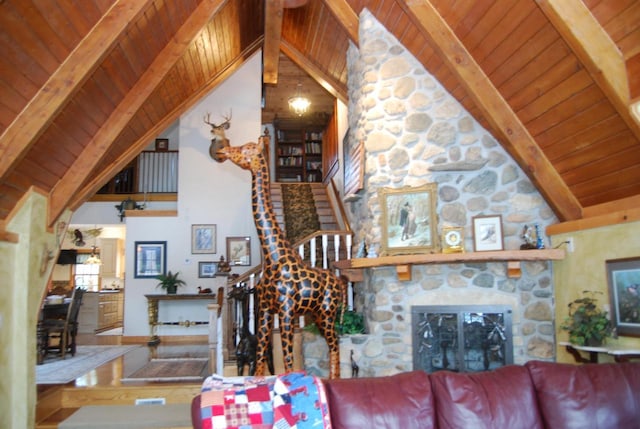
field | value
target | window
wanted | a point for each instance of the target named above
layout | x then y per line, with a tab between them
87	276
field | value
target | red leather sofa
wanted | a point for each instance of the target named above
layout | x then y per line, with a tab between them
535	395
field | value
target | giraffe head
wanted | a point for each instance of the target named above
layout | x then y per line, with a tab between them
248	156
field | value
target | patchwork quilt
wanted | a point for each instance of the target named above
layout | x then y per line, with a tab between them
290	401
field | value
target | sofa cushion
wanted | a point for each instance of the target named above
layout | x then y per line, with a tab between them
398	401
503	398
588	396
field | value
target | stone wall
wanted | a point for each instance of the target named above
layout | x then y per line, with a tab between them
416	133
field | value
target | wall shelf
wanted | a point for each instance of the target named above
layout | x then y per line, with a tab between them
403	263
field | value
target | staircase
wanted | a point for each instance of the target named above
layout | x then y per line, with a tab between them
326	214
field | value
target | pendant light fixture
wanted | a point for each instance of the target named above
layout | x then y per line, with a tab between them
94	259
299	104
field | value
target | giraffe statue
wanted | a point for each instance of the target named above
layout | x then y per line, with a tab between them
288	286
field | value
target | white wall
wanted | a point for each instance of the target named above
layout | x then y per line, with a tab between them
208	193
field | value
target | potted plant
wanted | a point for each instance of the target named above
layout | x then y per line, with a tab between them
170	282
352	323
587	324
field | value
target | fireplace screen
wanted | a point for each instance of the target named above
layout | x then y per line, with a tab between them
461	338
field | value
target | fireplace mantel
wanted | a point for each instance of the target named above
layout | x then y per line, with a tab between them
403	263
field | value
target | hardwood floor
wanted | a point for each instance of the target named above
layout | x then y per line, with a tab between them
103	386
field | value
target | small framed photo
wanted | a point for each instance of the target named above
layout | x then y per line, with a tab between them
623	277
207	269
239	250
162	145
150	259
203	239
487	233
409	220
452	239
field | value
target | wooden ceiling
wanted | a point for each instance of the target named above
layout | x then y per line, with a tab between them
85	85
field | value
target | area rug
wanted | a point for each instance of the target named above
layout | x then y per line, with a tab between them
300	214
87	358
171	371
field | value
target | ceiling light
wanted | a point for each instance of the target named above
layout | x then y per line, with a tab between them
94	259
299	104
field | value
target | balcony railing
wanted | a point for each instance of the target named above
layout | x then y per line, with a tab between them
150	172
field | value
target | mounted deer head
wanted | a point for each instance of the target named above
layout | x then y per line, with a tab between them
219	139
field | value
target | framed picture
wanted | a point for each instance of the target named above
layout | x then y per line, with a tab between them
409	222
623	276
207	269
150	259
452	239
239	250
203	239
487	233
162	145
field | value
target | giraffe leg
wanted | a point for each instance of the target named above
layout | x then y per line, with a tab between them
326	325
265	320
286	335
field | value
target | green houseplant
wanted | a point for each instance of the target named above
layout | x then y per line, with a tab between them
170	282
352	323
587	324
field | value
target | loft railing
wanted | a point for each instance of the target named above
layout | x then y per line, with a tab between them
150	172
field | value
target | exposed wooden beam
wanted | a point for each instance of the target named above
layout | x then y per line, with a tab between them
596	51
512	133
100	178
332	86
70	183
29	125
346	17
272	37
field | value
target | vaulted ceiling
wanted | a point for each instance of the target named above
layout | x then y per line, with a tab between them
86	85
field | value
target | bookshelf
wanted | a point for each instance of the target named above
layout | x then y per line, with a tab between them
298	154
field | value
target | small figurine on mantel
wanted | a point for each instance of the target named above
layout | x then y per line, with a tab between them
532	238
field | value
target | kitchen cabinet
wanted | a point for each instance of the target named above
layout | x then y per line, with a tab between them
111	257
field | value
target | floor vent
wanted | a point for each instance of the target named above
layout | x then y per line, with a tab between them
150	401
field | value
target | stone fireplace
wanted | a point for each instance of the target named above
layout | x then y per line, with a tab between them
415	133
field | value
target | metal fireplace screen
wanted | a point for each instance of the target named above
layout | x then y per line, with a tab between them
461	338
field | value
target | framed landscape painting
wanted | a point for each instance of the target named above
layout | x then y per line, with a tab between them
623	277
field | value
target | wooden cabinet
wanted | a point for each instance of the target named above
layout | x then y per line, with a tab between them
110	310
298	154
100	311
110	255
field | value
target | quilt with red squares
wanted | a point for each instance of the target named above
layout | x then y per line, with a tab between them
290	401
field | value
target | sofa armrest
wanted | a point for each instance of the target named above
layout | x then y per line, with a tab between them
196	421
398	401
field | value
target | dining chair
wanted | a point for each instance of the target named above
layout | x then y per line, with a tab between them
61	333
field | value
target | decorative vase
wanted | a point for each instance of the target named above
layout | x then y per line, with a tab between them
593	342
171	290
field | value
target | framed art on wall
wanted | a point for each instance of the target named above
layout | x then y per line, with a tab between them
207	269
623	277
239	250
162	145
150	259
487	233
203	239
409	220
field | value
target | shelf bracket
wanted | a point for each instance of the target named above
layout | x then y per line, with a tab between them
514	269
403	272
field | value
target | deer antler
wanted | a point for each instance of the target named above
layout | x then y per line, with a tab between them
223	125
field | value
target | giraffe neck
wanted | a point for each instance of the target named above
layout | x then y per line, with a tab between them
272	238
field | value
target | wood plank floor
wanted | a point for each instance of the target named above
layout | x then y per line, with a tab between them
103	386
